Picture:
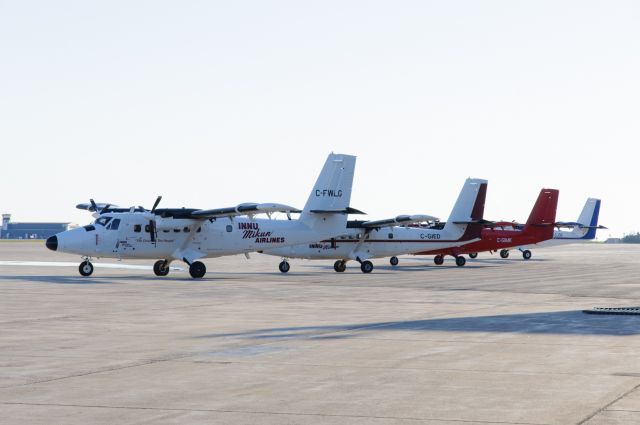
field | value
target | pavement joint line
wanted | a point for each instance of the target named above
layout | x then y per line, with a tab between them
604	408
94	372
498	372
328	415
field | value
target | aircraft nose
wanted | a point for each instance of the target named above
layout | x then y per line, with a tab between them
52	243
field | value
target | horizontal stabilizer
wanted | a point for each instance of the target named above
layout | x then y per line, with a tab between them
347	210
572	225
92	207
244	209
399	220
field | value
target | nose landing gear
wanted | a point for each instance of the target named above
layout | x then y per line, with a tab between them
340	266
85	268
161	268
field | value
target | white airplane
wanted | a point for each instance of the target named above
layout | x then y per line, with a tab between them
584	230
383	238
191	234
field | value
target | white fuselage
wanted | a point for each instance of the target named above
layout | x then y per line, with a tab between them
184	238
384	242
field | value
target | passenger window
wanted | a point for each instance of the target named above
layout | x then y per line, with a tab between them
229	228
199	230
115	224
147	228
176	230
390	235
137	228
186	229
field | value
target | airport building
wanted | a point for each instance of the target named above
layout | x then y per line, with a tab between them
11	230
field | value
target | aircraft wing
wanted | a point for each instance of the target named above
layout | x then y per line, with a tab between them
249	209
486	223
399	221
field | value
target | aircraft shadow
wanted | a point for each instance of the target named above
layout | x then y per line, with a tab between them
557	322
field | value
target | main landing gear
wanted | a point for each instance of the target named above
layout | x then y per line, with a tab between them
394	261
439	260
340	266
284	266
197	269
504	253
366	266
85	268
473	255
161	267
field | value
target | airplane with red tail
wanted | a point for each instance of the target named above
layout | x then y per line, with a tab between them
504	235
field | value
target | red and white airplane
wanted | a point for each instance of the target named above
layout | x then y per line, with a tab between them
504	235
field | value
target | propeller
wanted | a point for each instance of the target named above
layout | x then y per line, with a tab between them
155	205
152	223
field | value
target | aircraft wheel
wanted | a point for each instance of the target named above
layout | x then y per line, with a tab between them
394	261
473	255
339	266
161	268
284	266
86	268
439	260
366	266
197	269
526	254
460	261
504	253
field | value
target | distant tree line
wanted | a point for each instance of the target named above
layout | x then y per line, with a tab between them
632	238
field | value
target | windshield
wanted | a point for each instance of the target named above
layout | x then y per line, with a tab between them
102	221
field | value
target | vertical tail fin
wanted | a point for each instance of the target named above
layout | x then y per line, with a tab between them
469	208
543	215
330	197
589	217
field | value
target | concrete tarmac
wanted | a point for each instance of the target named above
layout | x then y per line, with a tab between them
494	342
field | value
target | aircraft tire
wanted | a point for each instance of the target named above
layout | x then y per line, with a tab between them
161	268
473	255
85	268
438	260
394	260
284	266
339	266
526	254
504	253
197	269
366	266
460	261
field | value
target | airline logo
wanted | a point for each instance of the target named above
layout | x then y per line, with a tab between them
329	193
252	231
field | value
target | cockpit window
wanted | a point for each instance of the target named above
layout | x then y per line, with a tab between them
89	228
115	224
102	221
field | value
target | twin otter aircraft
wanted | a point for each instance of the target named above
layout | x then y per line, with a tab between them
191	234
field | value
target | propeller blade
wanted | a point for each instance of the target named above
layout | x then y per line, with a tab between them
155	205
93	205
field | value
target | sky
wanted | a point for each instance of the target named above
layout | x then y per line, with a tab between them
214	103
